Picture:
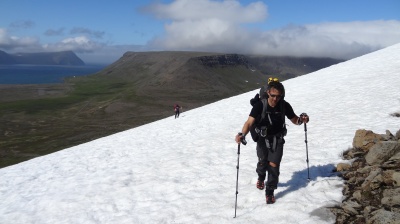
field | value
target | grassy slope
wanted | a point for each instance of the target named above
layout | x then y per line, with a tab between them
98	106
137	89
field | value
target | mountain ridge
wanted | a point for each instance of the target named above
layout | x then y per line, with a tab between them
41	58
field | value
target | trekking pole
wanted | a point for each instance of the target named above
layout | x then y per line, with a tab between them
308	168
237	174
237	178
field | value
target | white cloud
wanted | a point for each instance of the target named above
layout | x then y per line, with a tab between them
207	25
228	10
339	40
79	44
15	43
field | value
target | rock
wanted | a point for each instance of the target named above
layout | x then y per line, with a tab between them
357	195
365	139
370	178
343	167
396	179
372	186
365	170
376	182
350	207
368	210
348	175
388	136
393	162
396	157
383	216
387	177
391	197
381	152
398	134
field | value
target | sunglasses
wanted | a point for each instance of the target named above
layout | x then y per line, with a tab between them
273	96
273	80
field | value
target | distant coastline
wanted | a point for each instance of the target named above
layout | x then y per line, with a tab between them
43	74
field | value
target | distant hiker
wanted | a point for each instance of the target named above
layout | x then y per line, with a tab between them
267	125
176	109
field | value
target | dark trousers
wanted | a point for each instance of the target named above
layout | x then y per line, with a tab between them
176	113
267	152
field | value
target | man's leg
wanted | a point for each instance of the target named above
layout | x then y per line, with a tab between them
275	157
273	177
262	165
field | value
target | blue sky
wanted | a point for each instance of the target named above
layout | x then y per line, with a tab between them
101	31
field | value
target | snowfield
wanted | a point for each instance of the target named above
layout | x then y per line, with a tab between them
184	170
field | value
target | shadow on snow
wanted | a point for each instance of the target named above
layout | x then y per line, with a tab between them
299	178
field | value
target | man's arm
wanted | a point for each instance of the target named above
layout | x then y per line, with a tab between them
246	128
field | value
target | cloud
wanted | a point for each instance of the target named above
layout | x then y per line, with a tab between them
81	30
80	44
52	32
338	40
8	42
228	10
220	26
22	24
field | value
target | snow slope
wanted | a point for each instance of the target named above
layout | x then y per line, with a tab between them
184	170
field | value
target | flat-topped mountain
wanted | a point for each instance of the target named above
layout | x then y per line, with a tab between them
42	58
214	76
139	88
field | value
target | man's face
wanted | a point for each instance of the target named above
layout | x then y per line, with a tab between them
274	96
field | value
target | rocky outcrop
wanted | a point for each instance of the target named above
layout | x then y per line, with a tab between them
372	180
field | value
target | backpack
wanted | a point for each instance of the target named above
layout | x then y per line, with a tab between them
257	130
176	107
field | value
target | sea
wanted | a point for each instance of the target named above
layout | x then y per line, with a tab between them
43	74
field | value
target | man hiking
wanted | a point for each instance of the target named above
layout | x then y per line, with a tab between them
270	130
177	108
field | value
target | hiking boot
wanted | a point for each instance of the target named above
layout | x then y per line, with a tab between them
270	199
260	184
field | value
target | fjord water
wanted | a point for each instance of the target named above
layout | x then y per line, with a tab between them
43	74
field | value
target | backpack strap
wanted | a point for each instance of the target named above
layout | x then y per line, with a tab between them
264	111
283	116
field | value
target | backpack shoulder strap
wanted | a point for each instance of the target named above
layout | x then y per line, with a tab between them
283	111
264	111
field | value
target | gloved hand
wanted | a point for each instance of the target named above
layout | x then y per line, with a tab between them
240	138
304	118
